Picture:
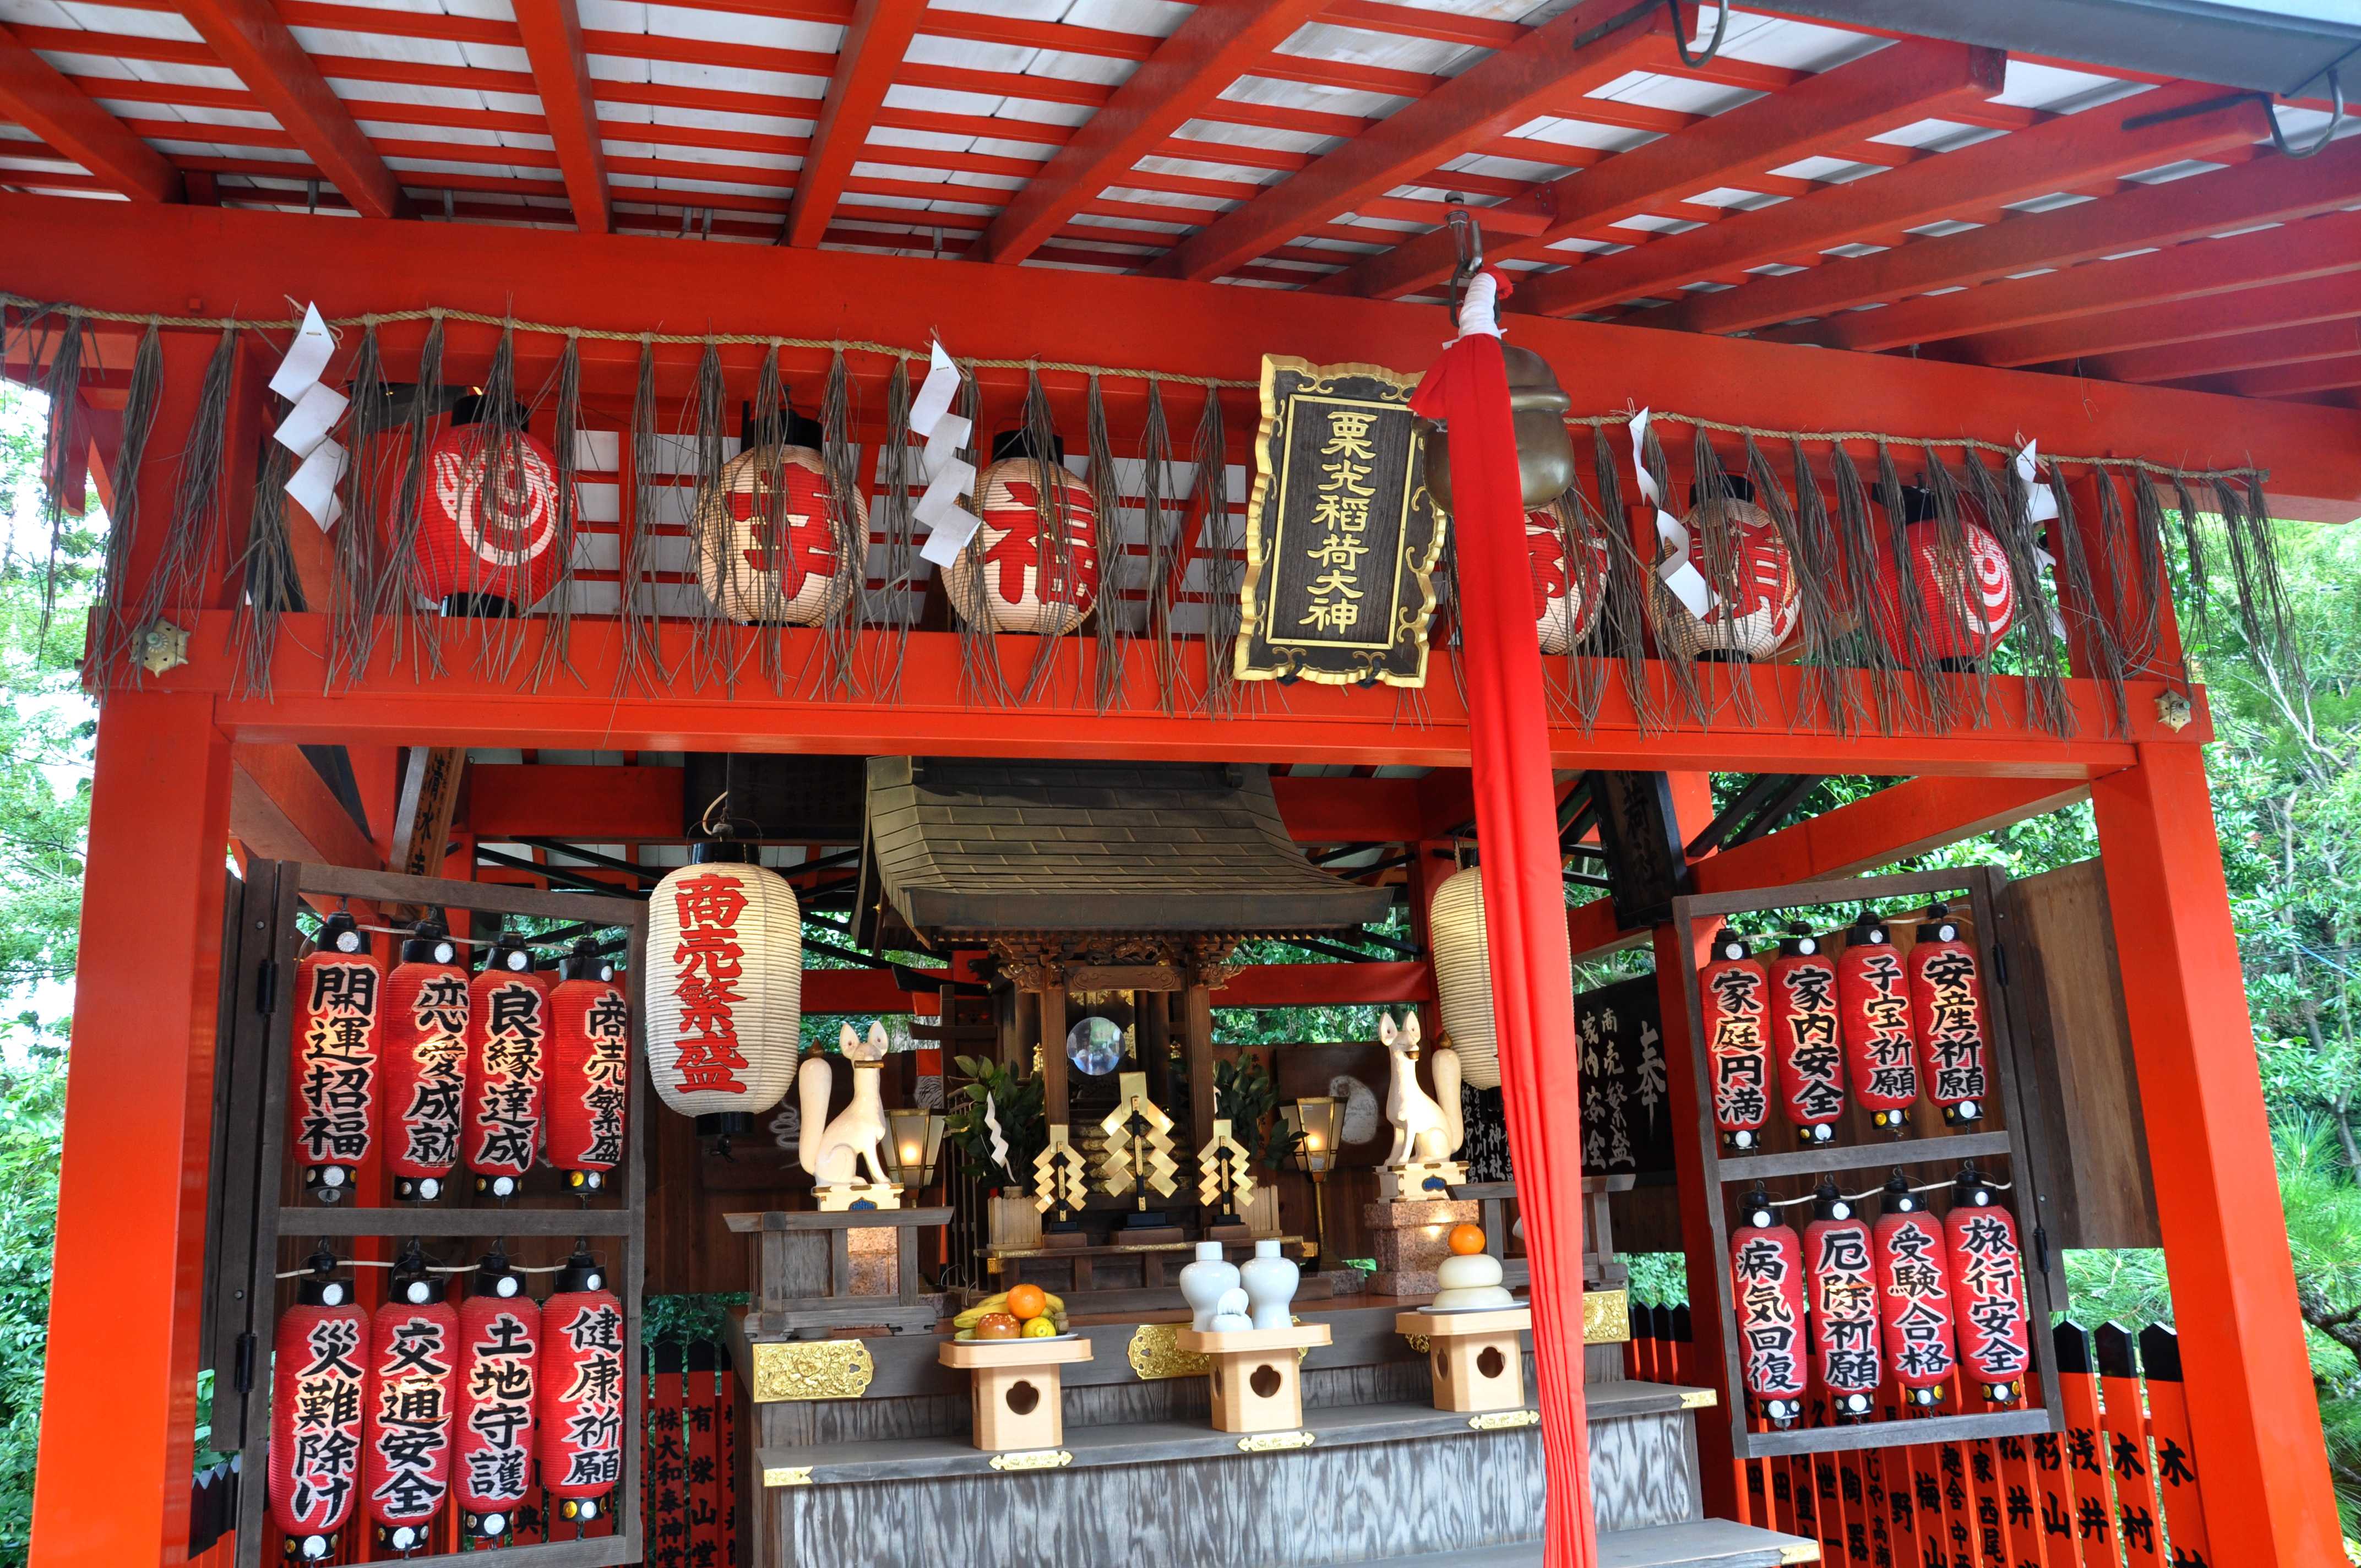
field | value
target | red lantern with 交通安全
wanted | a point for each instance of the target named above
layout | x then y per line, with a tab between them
1988	1272
1914	1282
413	1367
1569	581
317	1383
1767	603
1735	994
581	1378
1804	1036
1873	1012
772	547
333	1082
1947	1012
423	1054
1843	1283
487	520
1766	1282
1965	588
1033	565
587	1094
507	1036
500	1353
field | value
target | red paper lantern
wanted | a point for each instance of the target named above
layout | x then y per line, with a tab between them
317	1383
1736	996
413	1362
488	519
1947	1012
1842	1268
499	1351
1759	621
1969	604
1873	1006
333	1083
589	1091
508	1031
752	573
1569	586
1913	1281
1014	576
1804	1035
581	1378
425	1060
1766	1282
1988	1271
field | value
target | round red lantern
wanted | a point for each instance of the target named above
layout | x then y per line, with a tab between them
1988	1271
752	571
332	1081
316	1395
499	1350
1873	1009
1766	1283
1736	997
1569	581
1914	1282
1019	572
581	1378
724	995
1947	1012
424	1056
1840	1268
508	1032
486	542
414	1360
1757	623
588	1089
1804	1036
1969	603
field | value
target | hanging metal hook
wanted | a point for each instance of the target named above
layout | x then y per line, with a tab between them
1680	35
2327	135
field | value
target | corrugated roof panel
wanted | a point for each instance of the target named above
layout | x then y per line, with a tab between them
1251	89
137	23
1680	95
1583	133
1777	40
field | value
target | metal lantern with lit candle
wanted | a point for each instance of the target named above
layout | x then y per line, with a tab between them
318	1368
1537	404
915	1136
425	1061
1463	975
1312	1121
1034	565
333	1083
486	536
588	1091
773	548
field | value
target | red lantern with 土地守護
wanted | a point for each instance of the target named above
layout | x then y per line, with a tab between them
499	1401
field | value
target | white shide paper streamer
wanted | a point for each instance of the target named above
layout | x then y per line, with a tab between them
949	475
304	431
1679	573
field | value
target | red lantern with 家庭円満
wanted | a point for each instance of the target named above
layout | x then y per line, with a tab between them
774	547
1947	1013
488	515
1914	1282
1734	993
1804	1036
1963	585
499	1400
581	1384
1767	1284
1841	1281
508	1038
1873	1011
332	1081
317	1387
1988	1273
588	1094
424	1059
413	1367
1033	565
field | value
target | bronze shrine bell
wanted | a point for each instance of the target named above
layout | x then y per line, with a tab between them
1537	406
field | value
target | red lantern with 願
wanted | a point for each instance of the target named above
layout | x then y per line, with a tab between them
1735	993
1988	1272
589	1089
317	1378
424	1056
413	1362
1947	1012
581	1378
1569	580
1873	1011
1766	1282
508	1034
488	515
1842	1275
1913	1281
1804	1036
1034	565
500	1353
1962	583
332	1081
1759	617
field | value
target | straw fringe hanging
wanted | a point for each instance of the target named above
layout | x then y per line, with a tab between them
557	621
193	537
1965	680
717	650
1916	646
2264	615
1161	516
114	638
354	589
2137	626
1624	621
981	678
498	446
65	454
1856	539
1815	619
2100	647
2005	502
900	543
1819	570
398	596
1687	683
266	568
640	660
1054	577
1584	535
840	632
1210	452
1724	567
767	442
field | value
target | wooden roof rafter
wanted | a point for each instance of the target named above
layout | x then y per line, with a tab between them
553	36
866	64
44	100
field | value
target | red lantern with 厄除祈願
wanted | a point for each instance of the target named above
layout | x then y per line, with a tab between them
723	997
488	522
1873	1009
1569	581
508	1040
1964	585
1033	567
499	1357
581	1378
424	1057
1914	1282
332	1081
772	547
317	1383
1988	1272
588	1089
1804	1036
1766	1282
1735	995
1768	601
1843	1282
1947	1012
412	1370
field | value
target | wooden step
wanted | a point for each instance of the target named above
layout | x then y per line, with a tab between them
1696	1543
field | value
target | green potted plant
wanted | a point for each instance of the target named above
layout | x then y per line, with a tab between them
1015	1106
1243	1093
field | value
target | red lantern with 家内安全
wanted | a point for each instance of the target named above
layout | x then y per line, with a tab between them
1963	585
425	1058
1735	994
413	1367
773	544
1804	1036
587	1094
317	1383
1766	1283
1757	621
1843	1283
1569	580
1947	1012
1873	1011
508	1034
488	519
581	1378
1033	565
1914	1282
1988	1272
500	1355
333	1082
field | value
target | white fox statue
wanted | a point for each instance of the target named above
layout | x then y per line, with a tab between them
1426	1128
830	1152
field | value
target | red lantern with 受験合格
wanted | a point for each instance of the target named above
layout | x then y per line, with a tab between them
498	1399
1033	565
1988	1272
1965	587
581	1379
1766	1282
488	516
1914	1282
1947	1013
588	1089
317	1383
332	1081
1874	1010
1841	1275
1756	622
508	1038
1735	994
1804	1036
423	1054
1569	581
407	1439
772	547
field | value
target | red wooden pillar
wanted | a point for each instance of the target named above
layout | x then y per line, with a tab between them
2252	1413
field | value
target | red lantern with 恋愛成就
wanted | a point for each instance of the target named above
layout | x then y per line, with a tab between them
508	1036
1947	1013
1873	1012
499	1402
1735	994
581	1378
1804	1036
412	1366
1766	1283
317	1386
1914	1282
1988	1273
1841	1274
332	1081
423	1053
587	1094
1033	565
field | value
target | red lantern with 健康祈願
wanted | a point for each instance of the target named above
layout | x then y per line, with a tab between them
1033	567
581	1379
1841	1272
1914	1282
1735	994
1874	1010
1756	622
772	547
1947	1013
1804	1036
488	522
412	1370
1988	1272
332	1081
1964	585
423	1053
589	1091
498	1399
1766	1282
317	1384
1569	581
508	1040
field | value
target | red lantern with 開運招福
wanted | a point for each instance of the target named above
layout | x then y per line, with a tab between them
1964	586
488	515
1758	621
1804	1036
508	1040
1914	1282
772	547
1988	1272
1873	1011
499	1356
1033	565
412	1366
423	1054
332	1081
1569	581
1947	1013
317	1383
1735	994
588	1089
1766	1282
581	1379
1843	1282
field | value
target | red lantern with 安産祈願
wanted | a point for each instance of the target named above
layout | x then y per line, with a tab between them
1964	585
508	1034
1033	567
1766	1282
581	1379
1842	1276
1804	1036
588	1091
317	1380
332	1081
413	1362
1947	1013
1988	1272
1735	995
424	1057
1874	1010
1914	1282
488	522
500	1355
1569	580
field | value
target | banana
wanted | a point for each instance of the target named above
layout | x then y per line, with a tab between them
975	1314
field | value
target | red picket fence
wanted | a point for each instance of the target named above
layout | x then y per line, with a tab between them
2118	1488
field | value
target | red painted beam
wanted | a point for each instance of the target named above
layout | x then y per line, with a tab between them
866	65
1214	47
583	805
2291	380
43	100
552	31
1910	819
281	809
1349	811
2224	355
2108	343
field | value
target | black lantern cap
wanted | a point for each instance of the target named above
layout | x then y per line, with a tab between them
509	955
429	942
321	1287
582	1272
586	962
1021	443
1827	1203
474	408
1973	1189
1897	1198
495	1278
1759	1210
412	1283
1917	503
1938	925
784	428
340	933
1738	486
1867	931
1798	942
1729	944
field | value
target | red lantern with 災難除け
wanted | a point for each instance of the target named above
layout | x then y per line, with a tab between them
318	1363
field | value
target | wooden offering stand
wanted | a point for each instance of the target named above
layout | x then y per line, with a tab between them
1016	1396
1476	1358
816	1272
1258	1380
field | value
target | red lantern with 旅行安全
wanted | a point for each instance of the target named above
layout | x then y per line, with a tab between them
317	1383
1841	1273
1914	1282
1766	1283
1873	1011
1804	1036
773	546
1735	994
500	1355
1988	1271
588	1089
413	1369
1569	580
488	516
1033	565
508	1036
424	1057
1947	1012
1963	585
332	1081
1756	622
581	1378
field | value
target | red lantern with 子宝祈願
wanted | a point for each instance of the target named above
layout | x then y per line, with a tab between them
1988	1272
1874	1010
581	1379
1914	1282
773	544
488	523
412	1366
1841	1275
317	1383
1735	994
508	1038
1033	565
424	1059
1766	1282
1965	587
499	1356
1804	1038
724	989
1758	621
1569	581
332	1081
588	1089
1947	1013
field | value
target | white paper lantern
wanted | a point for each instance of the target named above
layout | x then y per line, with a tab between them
1768	603
1011	575
1463	975
799	579
724	988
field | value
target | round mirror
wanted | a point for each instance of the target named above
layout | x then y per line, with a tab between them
1095	1045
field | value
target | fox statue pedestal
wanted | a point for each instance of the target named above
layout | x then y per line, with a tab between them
843	1269
1409	1240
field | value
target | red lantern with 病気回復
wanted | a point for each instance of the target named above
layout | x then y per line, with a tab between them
508	1037
1963	586
499	1400
1033	565
1947	1013
317	1383
581	1378
407	1438
1988	1273
1840	1271
1804	1036
332	1081
1735	995
1767	1284
587	1094
1569	573
1914	1282
1873	1014
487	531
424	1052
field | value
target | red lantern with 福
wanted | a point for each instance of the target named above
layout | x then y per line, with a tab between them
425	1058
1034	565
1569	580
487	540
1965	586
508	1032
589	1089
1842	1275
1766	1282
332	1081
1947	1012
1914	1282
317	1381
581	1378
499	1352
773	546
1735	992
413	1367
1873	1009
1768	601
1804	1036
1988	1272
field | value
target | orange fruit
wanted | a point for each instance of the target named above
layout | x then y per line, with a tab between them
1466	1240
997	1325
1026	1301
